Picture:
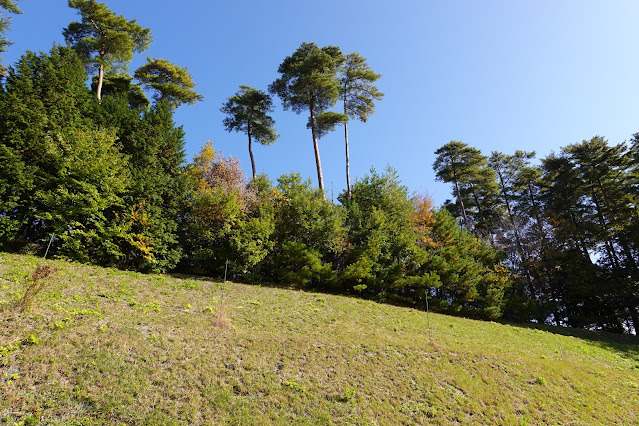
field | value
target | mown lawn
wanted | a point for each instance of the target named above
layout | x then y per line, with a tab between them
105	346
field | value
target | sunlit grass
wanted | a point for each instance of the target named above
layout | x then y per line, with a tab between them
106	346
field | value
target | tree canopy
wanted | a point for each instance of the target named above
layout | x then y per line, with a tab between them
171	82
308	82
103	39
247	112
11	7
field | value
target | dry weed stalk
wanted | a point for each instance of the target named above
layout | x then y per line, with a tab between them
222	317
35	286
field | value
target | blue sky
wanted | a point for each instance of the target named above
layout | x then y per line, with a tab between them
495	74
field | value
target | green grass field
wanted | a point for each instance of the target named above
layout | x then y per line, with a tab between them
102	346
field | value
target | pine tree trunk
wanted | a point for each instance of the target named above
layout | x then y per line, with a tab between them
579	238
318	162
622	240
348	173
251	152
520	247
540	227
100	81
604	226
461	202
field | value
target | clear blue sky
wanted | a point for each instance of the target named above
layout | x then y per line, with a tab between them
495	74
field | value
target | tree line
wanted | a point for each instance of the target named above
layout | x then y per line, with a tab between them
93	170
568	226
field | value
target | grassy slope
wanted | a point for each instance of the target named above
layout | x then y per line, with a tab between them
113	346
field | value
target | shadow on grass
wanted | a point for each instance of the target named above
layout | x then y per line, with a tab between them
624	344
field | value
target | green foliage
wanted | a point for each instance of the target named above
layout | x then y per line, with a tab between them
122	84
230	220
309	81
171	82
473	282
590	263
380	230
326	122
10	7
474	186
80	200
247	112
45	98
308	234
357	89
301	266
308	78
159	189
103	39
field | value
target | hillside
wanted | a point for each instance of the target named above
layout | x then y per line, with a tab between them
106	346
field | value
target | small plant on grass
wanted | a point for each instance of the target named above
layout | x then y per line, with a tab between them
294	385
540	381
35	286
222	316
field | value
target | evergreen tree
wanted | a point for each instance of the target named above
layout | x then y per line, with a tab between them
172	83
158	192
45	96
381	232
309	82
11	7
604	172
247	111
103	39
358	94
474	186
115	84
507	168
308	236
472	280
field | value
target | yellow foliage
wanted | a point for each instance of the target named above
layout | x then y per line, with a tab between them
143	244
424	221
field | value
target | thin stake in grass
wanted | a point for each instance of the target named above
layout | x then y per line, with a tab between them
222	318
49	246
428	315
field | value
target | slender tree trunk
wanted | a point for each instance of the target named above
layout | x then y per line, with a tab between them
461	202
318	162
604	227
540	227
481	231
582	244
520	248
348	173
251	155
622	240
100	81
